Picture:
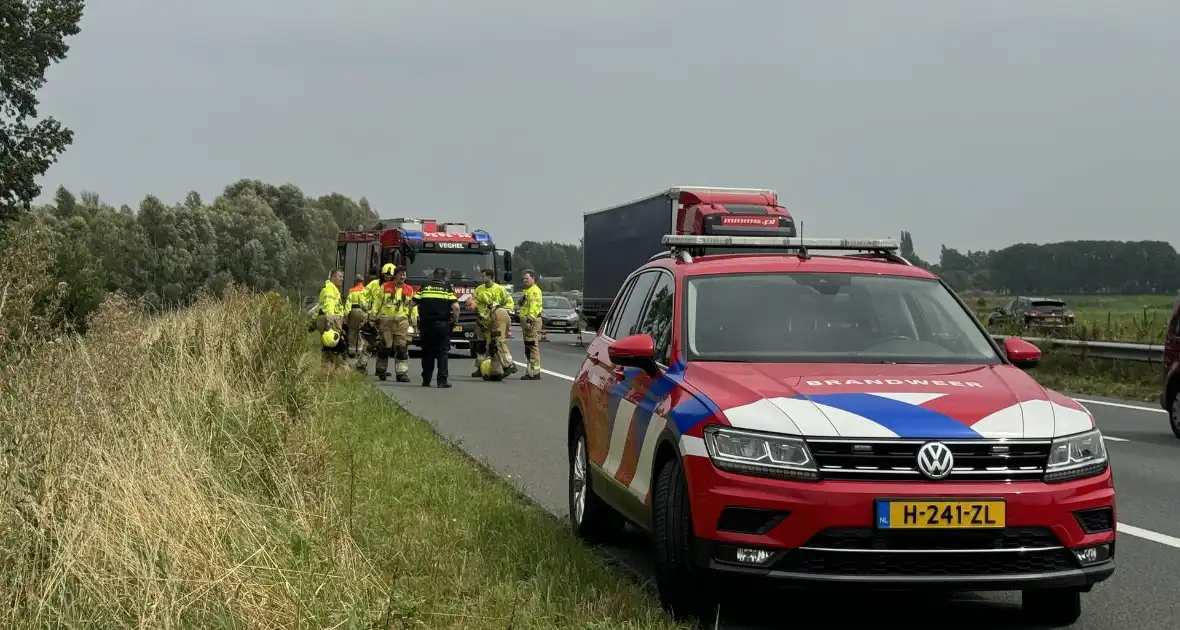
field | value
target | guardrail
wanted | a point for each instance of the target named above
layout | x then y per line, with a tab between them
1118	351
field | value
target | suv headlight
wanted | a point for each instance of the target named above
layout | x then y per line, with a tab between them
760	454
1076	456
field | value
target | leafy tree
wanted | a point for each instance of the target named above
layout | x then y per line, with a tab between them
32	36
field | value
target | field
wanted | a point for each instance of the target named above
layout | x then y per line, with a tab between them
198	470
1129	318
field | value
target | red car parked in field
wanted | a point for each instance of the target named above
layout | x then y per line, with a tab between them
831	420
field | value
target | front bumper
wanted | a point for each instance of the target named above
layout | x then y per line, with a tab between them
822	534
462	335
568	326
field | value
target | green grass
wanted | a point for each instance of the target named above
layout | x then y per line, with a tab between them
460	548
1129	318
1099	377
197	470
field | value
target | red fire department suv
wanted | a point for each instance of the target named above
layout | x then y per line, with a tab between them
831	420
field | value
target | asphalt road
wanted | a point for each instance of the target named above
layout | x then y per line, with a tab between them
518	429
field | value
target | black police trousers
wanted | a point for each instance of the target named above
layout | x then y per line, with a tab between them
436	343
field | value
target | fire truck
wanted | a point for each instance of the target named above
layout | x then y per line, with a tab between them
420	246
619	239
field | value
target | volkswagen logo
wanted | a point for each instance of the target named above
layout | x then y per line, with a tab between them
935	460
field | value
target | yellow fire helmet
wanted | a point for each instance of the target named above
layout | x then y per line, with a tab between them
485	367
388	268
330	338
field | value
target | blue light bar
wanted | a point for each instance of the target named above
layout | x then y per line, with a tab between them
412	234
482	236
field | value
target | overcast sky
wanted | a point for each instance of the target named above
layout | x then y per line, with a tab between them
975	124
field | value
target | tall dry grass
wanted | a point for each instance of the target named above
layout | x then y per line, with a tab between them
167	472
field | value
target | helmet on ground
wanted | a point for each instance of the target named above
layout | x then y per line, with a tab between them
388	268
485	368
330	338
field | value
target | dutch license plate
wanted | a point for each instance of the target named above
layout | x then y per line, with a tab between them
457	329
939	514
559	323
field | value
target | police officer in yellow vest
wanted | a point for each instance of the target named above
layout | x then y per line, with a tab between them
530	324
358	304
395	310
492	305
331	314
438	311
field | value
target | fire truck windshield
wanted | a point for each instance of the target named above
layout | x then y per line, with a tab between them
460	265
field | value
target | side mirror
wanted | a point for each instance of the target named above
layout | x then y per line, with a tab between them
507	260
1021	353
507	277
635	351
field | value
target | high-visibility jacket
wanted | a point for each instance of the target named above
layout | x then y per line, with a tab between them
396	301
374	291
434	300
488	298
358	296
330	300
530	302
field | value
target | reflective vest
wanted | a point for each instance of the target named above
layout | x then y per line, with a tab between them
397	301
358	297
487	298
330	300
530	302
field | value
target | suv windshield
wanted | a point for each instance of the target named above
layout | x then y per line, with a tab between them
829	317
556	301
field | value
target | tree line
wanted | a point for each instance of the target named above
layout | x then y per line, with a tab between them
256	235
1119	267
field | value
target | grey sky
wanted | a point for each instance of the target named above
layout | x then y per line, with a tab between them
975	124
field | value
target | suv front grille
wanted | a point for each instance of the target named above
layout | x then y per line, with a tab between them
869	539
917	563
896	460
930	553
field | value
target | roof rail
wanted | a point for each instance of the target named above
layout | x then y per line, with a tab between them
785	242
881	247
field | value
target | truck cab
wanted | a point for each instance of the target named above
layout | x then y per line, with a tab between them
618	239
420	246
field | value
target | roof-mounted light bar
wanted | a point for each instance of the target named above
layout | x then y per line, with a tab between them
785	242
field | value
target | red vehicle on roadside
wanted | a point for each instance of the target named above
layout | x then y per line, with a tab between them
1170	395
870	433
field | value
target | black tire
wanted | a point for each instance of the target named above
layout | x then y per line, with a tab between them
1174	414
1053	607
682	585
594	521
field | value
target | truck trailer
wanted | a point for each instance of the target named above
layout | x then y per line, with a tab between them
619	239
419	246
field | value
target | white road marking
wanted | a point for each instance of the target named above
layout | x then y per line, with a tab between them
1147	534
550	373
1120	405
1122	528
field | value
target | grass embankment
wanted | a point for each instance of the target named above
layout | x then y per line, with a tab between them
1099	377
195	471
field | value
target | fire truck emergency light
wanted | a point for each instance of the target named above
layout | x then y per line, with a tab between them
785	242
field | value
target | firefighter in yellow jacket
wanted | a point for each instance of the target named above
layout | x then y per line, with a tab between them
331	317
357	304
395	310
529	313
493	303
